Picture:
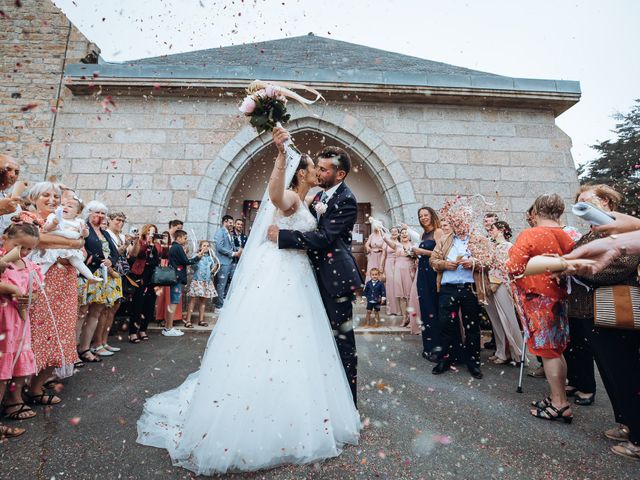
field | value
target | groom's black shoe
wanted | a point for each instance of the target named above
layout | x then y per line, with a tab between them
441	367
475	371
432	357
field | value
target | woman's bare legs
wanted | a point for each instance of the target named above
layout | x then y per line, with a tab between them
201	308
555	370
89	327
192	303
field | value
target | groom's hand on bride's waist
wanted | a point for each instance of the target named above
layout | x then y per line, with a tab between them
272	233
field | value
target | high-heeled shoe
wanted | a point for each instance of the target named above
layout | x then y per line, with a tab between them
570	392
585	401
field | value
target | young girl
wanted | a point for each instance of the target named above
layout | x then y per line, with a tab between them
17	361
65	222
201	287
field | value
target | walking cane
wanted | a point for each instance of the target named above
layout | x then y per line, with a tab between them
522	359
525	334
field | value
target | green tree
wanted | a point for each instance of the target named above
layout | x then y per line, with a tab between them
618	164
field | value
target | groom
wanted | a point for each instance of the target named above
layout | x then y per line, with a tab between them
329	248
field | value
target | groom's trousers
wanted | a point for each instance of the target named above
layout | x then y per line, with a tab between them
340	313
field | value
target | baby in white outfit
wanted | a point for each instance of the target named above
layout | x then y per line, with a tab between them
65	222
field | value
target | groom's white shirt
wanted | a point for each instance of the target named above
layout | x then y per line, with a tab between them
331	191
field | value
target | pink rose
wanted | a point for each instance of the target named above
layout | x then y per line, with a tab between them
272	91
248	105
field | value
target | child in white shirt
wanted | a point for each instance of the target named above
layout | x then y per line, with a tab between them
65	222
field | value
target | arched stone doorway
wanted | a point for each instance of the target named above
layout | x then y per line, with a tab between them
249	156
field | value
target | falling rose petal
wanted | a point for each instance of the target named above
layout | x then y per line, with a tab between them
113	369
29	106
442	439
74	420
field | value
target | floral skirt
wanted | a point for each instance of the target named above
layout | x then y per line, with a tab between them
547	323
202	288
107	294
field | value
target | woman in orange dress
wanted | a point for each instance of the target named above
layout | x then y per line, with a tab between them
53	314
544	302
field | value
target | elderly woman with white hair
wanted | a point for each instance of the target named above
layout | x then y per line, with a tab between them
53	312
102	255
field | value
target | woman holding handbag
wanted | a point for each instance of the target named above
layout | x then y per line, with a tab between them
145	253
615	339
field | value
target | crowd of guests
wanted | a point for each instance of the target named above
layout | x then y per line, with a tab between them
67	267
443	281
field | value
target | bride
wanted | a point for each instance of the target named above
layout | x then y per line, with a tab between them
271	389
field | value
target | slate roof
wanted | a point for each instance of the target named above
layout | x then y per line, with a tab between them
310	52
315	60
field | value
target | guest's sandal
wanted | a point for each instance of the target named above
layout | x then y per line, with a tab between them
134	339
188	325
144	337
23	412
10	432
42	399
552	413
627	449
544	403
203	324
52	384
85	359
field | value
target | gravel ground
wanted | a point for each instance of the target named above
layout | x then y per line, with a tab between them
418	425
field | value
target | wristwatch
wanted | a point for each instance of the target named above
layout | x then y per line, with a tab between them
622	248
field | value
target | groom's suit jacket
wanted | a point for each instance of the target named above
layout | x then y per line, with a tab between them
329	246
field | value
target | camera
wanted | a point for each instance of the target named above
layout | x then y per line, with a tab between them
134	231
158	236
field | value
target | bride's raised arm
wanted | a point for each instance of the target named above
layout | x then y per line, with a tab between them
280	197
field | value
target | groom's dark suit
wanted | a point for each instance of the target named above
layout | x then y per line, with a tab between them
329	248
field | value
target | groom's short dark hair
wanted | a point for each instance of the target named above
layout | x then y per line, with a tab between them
226	217
340	157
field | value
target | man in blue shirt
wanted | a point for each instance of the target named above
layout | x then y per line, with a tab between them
457	281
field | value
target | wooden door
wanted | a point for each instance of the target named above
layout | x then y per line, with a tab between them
361	231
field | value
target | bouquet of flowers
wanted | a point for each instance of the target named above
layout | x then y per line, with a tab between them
266	103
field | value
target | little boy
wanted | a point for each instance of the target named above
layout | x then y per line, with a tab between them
179	261
375	294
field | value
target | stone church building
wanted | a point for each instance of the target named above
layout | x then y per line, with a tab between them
162	138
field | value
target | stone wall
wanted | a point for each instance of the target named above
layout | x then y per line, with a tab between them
34	40
160	158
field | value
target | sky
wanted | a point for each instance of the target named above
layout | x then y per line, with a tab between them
591	41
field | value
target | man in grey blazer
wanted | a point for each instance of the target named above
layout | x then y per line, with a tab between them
226	252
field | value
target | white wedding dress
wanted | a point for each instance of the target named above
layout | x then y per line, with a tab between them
271	388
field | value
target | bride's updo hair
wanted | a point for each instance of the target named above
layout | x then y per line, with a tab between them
305	161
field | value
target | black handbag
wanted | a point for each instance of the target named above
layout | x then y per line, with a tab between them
164	276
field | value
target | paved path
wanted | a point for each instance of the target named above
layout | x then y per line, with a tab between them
419	425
